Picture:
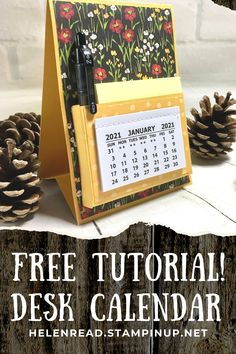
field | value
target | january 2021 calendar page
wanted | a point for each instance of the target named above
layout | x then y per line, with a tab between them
137	146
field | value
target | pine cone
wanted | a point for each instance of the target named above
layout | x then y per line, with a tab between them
213	131
19	182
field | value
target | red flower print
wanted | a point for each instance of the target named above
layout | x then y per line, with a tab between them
67	11
156	69
143	194
116	25
86	213
130	13
100	74
128	35
168	28
65	35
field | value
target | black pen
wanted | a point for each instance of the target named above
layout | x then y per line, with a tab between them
80	70
84	73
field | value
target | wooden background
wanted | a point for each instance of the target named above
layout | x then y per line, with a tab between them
221	338
229	3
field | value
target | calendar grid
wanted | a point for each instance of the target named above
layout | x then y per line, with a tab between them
126	157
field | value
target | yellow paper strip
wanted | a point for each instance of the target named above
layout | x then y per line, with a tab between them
138	89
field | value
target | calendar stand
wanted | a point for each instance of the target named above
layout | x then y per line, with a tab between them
69	138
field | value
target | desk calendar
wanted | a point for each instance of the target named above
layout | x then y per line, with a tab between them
129	148
137	146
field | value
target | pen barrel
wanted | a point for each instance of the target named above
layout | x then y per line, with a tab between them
91	90
81	84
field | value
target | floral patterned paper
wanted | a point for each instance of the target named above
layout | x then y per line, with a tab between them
128	43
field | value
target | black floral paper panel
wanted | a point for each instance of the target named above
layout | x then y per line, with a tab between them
128	43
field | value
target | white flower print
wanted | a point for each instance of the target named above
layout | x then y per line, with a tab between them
93	37
144	47
79	193
90	14
149	19
86	32
100	47
64	76
167	12
144	59
127	71
113	8
151	36
157	45
144	41
146	33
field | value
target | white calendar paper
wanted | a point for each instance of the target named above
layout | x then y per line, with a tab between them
134	147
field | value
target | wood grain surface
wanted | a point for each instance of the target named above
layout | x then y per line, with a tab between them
221	338
229	3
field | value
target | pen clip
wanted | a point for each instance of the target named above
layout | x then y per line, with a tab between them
81	72
88	64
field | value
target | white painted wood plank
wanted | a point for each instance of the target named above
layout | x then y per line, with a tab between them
232	156
216	183
54	216
181	211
